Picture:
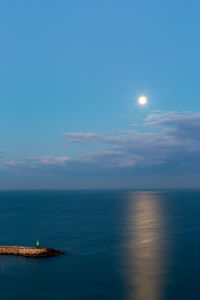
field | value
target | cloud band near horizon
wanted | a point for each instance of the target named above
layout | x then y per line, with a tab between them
166	143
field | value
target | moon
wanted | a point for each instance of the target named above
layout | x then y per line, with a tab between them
142	100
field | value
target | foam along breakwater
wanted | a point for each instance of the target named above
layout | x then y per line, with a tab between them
29	251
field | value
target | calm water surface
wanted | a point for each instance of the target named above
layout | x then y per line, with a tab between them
126	245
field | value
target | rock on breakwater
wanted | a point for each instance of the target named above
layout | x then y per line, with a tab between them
29	251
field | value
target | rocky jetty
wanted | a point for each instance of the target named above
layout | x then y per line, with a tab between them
29	251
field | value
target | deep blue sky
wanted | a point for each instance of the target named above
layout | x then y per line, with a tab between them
78	67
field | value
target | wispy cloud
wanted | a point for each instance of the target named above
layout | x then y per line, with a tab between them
50	160
80	137
110	158
34	162
12	163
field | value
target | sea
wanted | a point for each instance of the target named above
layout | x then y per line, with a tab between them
119	244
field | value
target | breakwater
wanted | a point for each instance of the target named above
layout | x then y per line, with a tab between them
29	251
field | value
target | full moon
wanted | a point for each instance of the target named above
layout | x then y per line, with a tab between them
142	100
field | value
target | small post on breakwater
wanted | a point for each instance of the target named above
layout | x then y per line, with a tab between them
38	245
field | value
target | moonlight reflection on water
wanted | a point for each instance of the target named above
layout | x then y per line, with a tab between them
146	256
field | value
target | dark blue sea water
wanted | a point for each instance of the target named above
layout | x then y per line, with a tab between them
121	245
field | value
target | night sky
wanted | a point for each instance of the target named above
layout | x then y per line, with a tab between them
70	78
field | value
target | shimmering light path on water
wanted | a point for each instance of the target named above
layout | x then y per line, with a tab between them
126	245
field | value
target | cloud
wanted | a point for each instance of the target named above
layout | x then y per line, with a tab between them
80	137
171	141
35	162
182	129
50	160
168	143
109	159
12	163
